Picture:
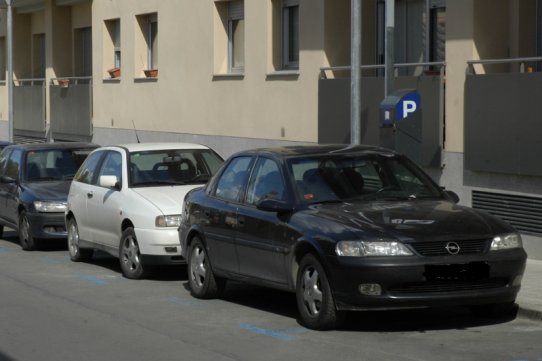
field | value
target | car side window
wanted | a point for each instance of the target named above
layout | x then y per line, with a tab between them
112	165
233	179
4	160
85	174
14	164
267	182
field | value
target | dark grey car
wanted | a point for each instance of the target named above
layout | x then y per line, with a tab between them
34	184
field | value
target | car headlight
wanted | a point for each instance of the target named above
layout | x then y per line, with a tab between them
371	249
506	241
48	207
173	220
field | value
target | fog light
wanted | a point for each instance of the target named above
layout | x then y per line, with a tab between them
517	281
370	289
171	249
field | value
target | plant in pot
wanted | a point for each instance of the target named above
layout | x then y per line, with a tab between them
151	73
114	72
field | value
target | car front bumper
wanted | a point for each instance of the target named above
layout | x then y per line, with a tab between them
159	246
415	282
47	225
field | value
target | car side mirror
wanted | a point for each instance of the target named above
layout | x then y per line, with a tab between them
273	205
109	181
452	195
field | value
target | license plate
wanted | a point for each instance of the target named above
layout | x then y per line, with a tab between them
473	271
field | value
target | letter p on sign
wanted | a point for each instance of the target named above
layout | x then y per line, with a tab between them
409	106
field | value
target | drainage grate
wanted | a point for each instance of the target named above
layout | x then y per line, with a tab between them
524	213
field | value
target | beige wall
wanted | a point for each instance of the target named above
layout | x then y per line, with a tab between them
187	97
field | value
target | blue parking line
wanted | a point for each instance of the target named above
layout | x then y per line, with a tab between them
262	331
94	279
180	301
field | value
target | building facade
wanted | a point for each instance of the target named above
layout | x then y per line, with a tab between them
234	74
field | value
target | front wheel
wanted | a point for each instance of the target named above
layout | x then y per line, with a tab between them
27	241
77	254
314	299
130	256
202	281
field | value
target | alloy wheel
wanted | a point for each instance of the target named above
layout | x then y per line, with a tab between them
312	293
130	254
198	270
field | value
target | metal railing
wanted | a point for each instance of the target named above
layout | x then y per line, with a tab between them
69	80
426	65
520	61
29	81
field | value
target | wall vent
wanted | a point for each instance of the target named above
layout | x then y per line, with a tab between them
523	212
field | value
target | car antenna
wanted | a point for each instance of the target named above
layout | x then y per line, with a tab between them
135	130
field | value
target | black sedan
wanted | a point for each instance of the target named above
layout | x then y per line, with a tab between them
346	228
34	184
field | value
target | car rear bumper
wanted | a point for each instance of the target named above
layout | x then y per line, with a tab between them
47	225
427	282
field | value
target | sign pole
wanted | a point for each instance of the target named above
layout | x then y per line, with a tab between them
10	68
355	73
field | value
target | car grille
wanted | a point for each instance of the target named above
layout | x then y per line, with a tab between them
433	287
439	248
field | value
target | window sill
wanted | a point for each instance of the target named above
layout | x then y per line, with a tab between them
145	80
229	76
111	80
294	73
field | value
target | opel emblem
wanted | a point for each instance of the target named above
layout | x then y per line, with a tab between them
452	248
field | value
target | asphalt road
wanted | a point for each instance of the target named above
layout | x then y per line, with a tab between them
54	309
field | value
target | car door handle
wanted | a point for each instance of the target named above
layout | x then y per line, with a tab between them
90	194
240	221
207	213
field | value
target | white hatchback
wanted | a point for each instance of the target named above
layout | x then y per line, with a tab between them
127	200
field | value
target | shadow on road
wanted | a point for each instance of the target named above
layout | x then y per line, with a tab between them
421	320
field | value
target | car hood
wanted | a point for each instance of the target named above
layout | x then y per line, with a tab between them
48	190
169	199
417	220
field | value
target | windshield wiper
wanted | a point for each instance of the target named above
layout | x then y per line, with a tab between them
328	201
34	179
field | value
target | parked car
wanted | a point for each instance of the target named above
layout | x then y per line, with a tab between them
345	228
34	183
4	143
127	201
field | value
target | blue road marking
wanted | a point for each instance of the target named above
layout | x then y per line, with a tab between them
94	279
262	331
180	301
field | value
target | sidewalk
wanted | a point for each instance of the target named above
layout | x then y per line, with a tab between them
530	296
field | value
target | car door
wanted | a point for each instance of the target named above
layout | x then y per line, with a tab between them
80	189
260	235
104	204
4	183
10	191
220	212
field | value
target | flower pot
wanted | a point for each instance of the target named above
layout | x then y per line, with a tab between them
64	83
151	73
114	73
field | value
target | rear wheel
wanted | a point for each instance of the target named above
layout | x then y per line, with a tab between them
1	231
202	281
77	254
27	241
130	256
314	299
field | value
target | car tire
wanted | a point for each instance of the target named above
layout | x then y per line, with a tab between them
77	254
27	241
314	299
201	279
130	256
1	231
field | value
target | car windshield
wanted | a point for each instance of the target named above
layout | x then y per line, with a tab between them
53	164
173	167
338	178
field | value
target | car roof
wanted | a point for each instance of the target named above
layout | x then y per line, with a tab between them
59	145
318	150
138	147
